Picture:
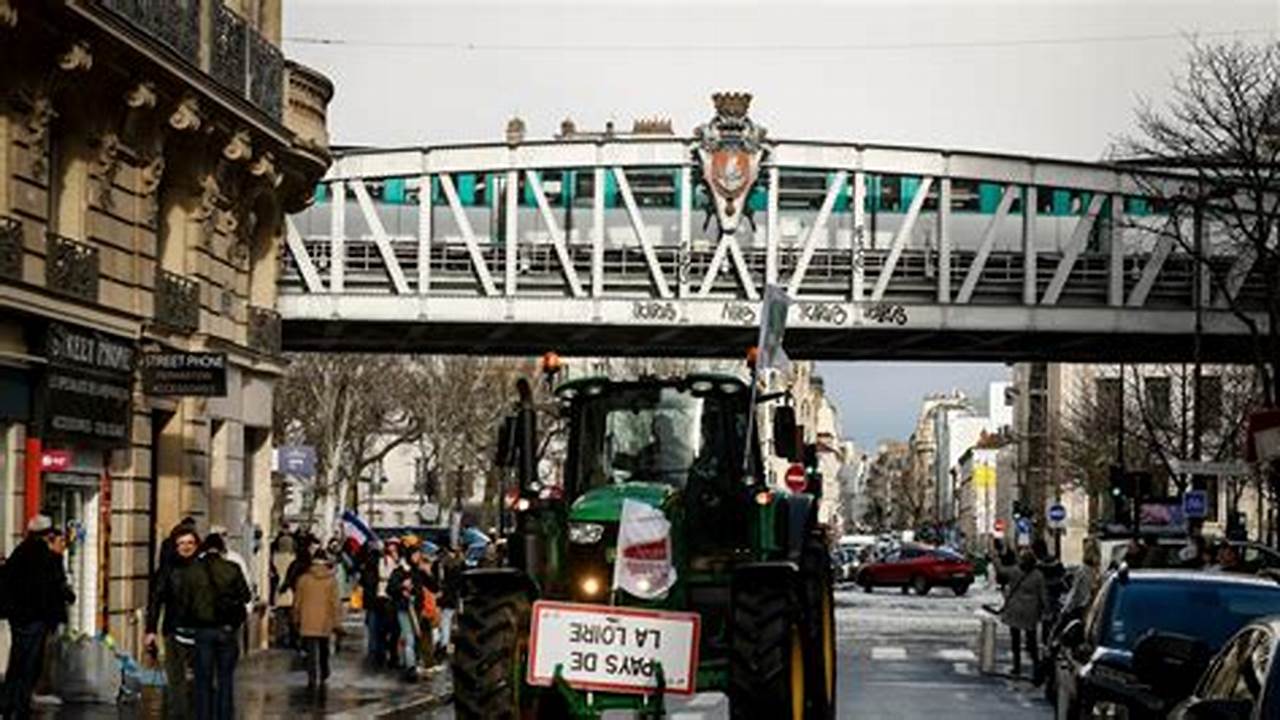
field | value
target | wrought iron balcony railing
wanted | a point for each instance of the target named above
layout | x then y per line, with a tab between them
239	57
10	248
71	268
177	301
264	330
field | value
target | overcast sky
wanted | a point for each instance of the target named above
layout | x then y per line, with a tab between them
1044	78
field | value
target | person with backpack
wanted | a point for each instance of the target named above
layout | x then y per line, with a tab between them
317	612
34	596
216	606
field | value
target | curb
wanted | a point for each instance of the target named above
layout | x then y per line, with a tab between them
411	708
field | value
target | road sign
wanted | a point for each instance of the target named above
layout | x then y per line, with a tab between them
1201	467
1057	515
297	460
1000	525
599	647
1024	525
1195	504
795	478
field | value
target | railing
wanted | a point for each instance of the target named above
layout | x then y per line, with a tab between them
177	301
239	58
176	23
264	330
10	248
71	268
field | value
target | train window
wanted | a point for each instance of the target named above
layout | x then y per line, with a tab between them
964	196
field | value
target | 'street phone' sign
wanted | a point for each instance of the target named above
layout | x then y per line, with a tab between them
613	649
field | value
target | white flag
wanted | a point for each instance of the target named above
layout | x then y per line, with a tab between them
643	566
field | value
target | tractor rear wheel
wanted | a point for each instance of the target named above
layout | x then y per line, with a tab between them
767	659
820	623
490	640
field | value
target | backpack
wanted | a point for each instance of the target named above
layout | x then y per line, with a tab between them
227	610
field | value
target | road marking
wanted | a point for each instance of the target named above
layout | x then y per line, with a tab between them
888	653
956	655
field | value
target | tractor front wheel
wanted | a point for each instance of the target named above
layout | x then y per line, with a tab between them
490	641
767	672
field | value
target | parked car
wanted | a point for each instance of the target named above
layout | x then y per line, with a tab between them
1243	681
1148	636
919	568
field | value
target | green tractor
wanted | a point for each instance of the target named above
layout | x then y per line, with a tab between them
750	561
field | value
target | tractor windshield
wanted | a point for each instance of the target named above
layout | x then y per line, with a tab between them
659	434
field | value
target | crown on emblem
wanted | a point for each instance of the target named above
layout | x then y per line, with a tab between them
732	104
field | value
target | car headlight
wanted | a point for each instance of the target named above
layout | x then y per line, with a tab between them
585	533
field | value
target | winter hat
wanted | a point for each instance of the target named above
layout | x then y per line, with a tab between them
39	524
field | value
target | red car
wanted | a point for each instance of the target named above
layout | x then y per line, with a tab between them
920	568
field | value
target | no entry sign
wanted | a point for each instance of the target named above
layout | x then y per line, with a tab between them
600	647
795	478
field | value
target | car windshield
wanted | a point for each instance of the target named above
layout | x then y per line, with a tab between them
666	434
1209	611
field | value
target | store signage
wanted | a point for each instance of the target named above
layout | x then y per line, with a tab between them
184	373
87	387
55	460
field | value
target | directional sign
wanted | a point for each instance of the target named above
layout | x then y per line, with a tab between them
1057	515
1024	525
1195	503
297	460
1199	467
600	647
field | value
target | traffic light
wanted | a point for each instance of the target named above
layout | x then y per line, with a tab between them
813	476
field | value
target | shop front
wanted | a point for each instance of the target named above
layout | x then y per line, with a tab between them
82	414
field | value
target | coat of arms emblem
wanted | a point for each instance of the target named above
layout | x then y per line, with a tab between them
730	150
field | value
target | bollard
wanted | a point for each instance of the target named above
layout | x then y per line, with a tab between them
987	645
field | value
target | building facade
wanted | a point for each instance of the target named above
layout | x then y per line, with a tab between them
147	161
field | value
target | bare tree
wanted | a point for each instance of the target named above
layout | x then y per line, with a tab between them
1218	138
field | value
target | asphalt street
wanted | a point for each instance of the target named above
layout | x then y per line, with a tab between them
904	657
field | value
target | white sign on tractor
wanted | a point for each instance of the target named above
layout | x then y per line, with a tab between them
613	649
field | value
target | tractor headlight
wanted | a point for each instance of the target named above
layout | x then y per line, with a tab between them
585	533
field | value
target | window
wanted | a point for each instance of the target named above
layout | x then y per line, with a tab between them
1209	404
1157	391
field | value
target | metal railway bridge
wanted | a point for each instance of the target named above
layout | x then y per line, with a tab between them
612	245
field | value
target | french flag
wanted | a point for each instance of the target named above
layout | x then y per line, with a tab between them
356	532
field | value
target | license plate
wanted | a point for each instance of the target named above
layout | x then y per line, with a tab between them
613	649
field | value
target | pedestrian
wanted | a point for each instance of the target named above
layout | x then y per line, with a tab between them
317	612
1024	607
448	571
34	596
169	590
428	609
1195	554
403	596
369	583
304	546
388	624
1228	559
216	606
235	557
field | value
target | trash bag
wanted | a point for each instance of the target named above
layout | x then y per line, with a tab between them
86	670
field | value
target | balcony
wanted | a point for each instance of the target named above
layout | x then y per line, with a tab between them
10	249
227	48
71	268
177	302
264	330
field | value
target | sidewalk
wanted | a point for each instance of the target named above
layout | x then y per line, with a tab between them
267	686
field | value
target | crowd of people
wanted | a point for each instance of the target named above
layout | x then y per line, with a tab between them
407	589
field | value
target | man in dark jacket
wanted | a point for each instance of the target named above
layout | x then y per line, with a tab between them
170	588
35	598
216	607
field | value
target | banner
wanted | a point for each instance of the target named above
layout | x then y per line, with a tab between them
773	325
643	567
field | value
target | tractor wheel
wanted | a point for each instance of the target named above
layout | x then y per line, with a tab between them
820	626
767	660
490	640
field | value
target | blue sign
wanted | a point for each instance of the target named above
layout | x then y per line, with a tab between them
297	460
1024	525
1195	504
1057	513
